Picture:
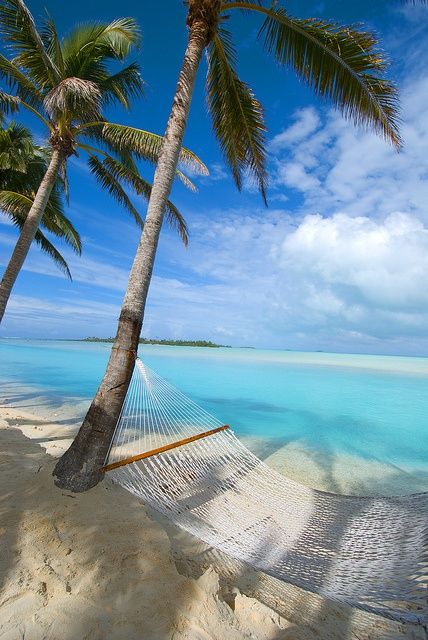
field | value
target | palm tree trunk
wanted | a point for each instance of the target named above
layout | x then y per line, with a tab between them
79	467
29	230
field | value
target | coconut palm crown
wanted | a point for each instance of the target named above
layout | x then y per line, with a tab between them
22	166
67	83
341	63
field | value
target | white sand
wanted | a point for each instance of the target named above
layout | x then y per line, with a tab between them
98	566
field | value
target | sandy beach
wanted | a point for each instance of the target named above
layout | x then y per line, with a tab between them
100	565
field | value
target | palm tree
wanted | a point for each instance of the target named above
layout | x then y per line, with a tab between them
22	166
66	83
339	62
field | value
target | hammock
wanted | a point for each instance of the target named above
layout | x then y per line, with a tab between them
370	553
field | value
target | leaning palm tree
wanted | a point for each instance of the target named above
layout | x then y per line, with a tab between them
66	83
339	62
22	166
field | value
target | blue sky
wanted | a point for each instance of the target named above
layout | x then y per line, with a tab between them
339	259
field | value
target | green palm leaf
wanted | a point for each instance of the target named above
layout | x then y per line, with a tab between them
52	44
119	36
109	182
141	187
93	133
55	221
17	209
147	145
17	205
236	114
48	248
341	63
16	153
111	173
86	49
20	83
186	180
20	33
123	86
8	103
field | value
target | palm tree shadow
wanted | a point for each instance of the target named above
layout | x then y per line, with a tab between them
81	562
315	616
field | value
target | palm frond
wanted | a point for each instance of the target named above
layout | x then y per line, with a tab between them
186	181
63	178
20	82
17	205
47	247
16	152
20	33
55	221
11	163
176	221
236	114
339	62
123	86
17	208
52	44
119	36
93	131
141	187
110	182
88	45
147	145
127	159
8	103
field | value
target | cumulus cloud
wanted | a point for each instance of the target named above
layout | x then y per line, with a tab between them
306	121
381	265
342	168
343	282
294	174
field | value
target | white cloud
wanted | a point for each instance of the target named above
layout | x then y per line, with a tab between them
342	282
86	270
38	317
306	122
343	168
217	172
381	265
264	279
293	174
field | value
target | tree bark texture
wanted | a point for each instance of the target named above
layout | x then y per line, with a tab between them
79	468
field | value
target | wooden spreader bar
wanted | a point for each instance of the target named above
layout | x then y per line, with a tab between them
166	447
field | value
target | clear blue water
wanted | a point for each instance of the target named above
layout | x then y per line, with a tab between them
375	407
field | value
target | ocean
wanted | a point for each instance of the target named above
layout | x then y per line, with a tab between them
346	412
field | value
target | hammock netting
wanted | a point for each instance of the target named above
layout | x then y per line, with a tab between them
368	552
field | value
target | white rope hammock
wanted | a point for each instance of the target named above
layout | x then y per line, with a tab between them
370	552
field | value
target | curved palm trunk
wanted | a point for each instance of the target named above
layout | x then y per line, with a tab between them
79	467
28	231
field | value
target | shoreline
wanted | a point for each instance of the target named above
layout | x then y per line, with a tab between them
224	600
335	472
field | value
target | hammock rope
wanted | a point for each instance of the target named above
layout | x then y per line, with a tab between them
368	552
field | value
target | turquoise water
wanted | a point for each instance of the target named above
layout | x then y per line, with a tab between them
374	407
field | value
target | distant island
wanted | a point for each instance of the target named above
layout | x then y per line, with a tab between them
174	343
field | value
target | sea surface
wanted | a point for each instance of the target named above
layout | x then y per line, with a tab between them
357	409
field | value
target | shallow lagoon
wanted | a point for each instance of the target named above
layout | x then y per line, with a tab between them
344	413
